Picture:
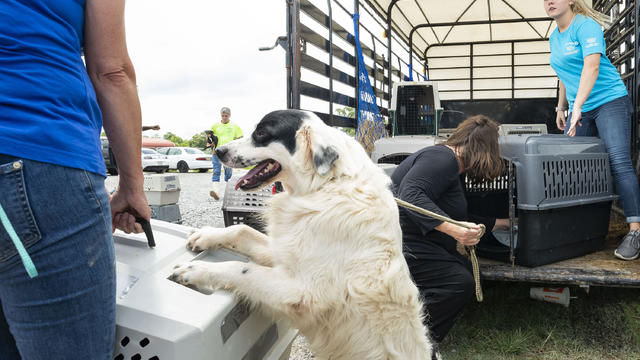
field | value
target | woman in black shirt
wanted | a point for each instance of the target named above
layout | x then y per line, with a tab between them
430	179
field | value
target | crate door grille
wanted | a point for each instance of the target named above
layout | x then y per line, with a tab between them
575	178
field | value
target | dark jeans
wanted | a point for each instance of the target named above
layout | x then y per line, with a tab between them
63	219
612	122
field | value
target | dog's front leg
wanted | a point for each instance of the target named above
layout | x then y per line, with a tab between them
239	238
260	285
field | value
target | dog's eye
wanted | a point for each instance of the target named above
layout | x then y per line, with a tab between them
261	135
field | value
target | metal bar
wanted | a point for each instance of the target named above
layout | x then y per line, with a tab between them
489	12
479	22
500	89
489	55
499	77
336	120
512	211
316	14
317	66
319	41
470	67
320	93
406	18
389	34
329	23
427	20
528	21
356	94
513	71
288	55
483	42
634	92
458	19
296	51
484	66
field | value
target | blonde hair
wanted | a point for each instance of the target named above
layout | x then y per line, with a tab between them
580	7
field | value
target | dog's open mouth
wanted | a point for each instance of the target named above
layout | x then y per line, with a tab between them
265	170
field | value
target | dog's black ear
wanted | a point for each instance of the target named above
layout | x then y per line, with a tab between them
324	158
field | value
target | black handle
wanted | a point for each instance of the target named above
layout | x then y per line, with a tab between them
146	226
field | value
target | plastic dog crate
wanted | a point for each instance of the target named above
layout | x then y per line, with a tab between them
244	207
563	198
158	319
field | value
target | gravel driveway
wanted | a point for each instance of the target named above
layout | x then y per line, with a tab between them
198	209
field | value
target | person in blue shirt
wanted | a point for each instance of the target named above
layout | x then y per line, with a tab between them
57	262
592	90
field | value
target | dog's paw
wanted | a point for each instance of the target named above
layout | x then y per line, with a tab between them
204	238
195	273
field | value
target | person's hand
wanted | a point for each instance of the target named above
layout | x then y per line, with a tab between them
127	204
503	224
576	116
464	236
561	120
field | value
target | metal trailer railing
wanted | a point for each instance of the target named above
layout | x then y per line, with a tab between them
322	63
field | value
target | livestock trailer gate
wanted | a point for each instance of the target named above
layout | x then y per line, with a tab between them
487	57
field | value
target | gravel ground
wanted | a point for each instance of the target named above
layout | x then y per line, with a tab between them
198	209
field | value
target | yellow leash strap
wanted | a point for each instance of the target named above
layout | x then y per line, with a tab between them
470	249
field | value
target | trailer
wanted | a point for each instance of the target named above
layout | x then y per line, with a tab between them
487	57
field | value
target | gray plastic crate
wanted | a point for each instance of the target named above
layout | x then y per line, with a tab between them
245	207
554	171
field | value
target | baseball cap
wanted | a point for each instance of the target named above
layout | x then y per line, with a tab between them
225	110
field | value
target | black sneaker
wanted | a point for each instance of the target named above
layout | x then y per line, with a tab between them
629	249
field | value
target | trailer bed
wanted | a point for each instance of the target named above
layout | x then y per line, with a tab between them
600	268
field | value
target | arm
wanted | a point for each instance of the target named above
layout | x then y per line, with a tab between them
113	78
561	119
588	78
427	180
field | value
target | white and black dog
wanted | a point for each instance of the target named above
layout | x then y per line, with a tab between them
332	261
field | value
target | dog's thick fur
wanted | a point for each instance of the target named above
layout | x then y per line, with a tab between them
332	263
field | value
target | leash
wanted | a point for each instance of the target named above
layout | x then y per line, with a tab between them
471	250
24	255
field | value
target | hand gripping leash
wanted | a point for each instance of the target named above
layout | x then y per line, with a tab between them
471	250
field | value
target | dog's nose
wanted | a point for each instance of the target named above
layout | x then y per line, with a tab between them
221	152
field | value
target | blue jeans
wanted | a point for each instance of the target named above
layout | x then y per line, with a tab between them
217	165
612	122
62	217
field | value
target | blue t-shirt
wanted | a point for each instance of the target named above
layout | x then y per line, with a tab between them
48	107
568	50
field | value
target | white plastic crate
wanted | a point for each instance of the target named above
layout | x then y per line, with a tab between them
161	182
159	198
158	319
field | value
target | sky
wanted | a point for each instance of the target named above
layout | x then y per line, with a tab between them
193	57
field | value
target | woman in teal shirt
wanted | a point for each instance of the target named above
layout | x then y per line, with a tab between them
591	88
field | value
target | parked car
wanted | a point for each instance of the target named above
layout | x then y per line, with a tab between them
107	154
185	158
153	161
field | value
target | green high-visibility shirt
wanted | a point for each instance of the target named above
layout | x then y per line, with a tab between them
226	132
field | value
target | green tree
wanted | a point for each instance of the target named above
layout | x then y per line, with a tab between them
198	141
349	112
175	139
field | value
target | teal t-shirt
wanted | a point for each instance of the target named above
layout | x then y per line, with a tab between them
568	50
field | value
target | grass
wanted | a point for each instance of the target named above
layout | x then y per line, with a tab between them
603	324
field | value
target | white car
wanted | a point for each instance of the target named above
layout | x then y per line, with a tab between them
152	161
185	158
